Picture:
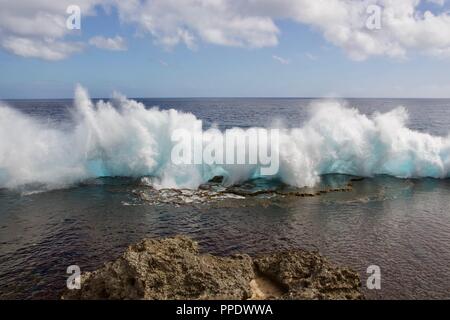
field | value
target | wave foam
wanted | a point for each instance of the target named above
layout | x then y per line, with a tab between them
123	138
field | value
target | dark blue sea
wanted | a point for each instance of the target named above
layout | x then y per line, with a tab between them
56	209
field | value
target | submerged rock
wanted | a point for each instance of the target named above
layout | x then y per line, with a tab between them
173	268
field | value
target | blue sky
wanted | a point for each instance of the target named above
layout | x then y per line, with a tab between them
313	67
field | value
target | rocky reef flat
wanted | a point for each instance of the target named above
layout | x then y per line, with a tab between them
174	268
215	190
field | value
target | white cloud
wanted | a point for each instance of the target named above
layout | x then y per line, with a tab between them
44	49
115	44
343	23
252	23
37	28
217	22
281	60
240	23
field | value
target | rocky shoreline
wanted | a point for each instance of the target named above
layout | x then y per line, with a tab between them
215	191
173	268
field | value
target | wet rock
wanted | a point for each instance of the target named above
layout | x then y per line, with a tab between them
213	191
172	268
212	184
205	186
168	269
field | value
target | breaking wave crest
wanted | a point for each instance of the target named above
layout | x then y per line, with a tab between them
123	138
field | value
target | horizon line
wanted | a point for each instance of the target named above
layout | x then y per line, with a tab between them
237	97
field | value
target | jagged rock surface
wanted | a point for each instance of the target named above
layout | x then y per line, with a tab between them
172	268
308	275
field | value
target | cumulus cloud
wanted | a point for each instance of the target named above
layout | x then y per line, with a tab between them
344	23
37	28
252	23
45	49
405	26
115	44
217	22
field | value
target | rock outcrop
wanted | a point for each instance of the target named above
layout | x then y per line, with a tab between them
308	275
173	268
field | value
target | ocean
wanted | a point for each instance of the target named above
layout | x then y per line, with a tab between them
77	182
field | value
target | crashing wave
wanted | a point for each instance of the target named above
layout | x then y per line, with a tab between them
124	138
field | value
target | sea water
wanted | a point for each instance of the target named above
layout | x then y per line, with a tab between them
71	172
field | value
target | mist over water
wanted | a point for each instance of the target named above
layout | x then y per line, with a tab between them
122	137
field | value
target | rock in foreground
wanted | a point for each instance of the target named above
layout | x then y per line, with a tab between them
172	268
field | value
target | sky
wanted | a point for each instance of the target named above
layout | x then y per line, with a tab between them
226	48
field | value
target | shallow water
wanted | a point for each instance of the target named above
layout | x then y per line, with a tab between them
401	225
